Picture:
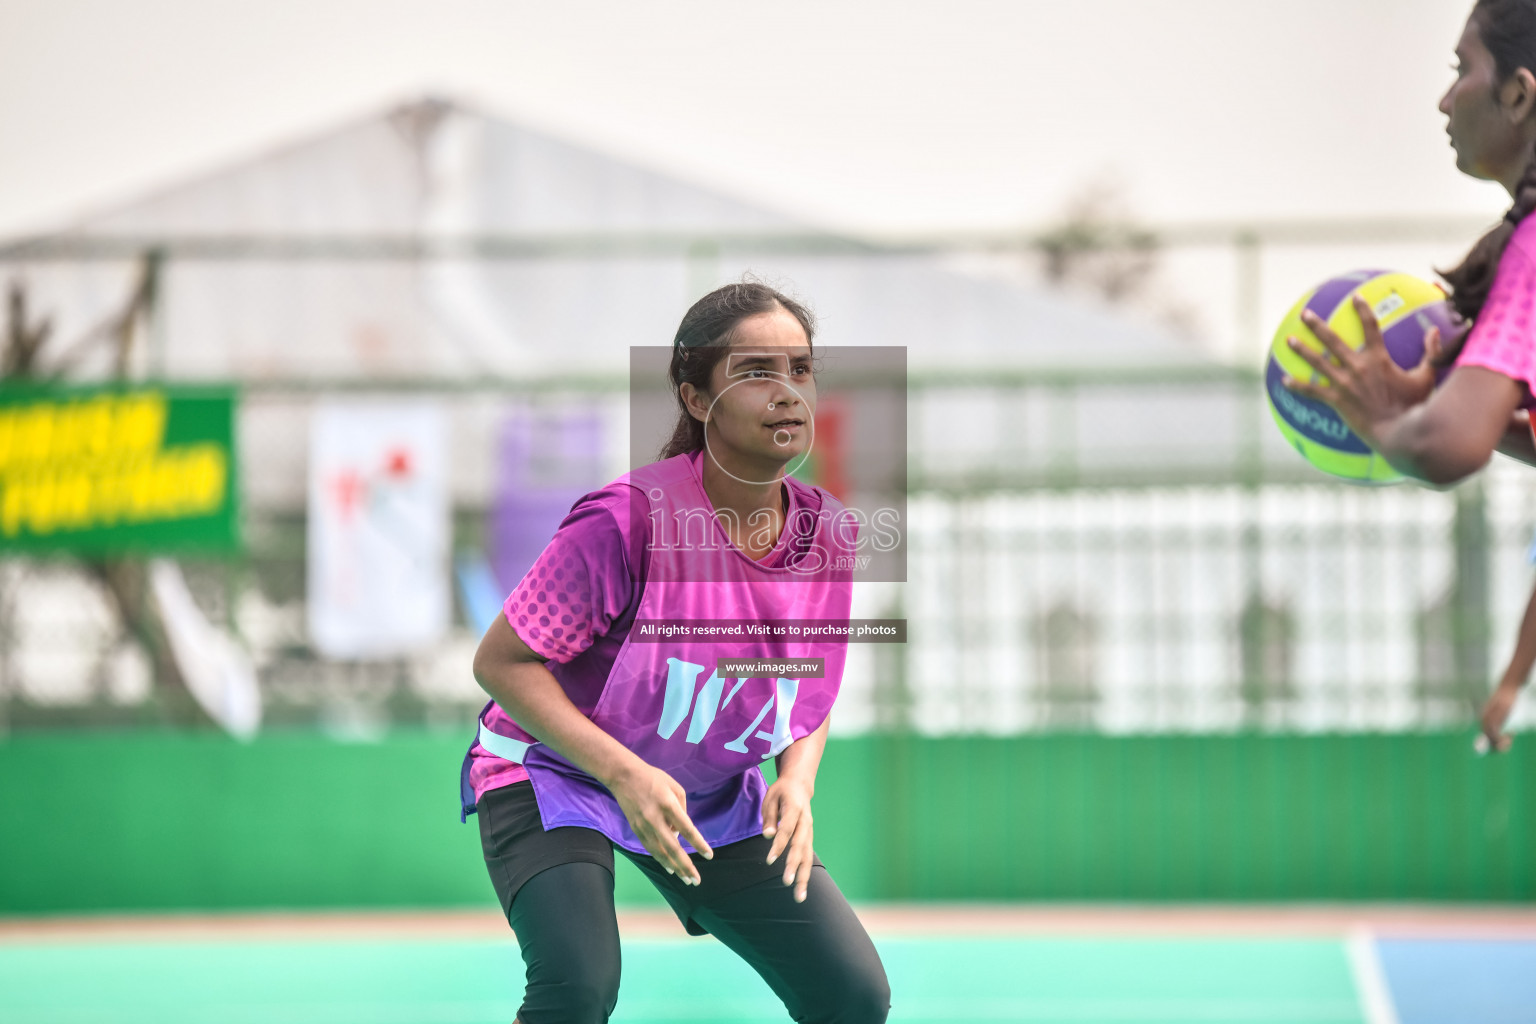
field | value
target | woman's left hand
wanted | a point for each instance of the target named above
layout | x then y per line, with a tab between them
1365	386
787	821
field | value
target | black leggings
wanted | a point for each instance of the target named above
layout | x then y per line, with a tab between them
815	955
556	887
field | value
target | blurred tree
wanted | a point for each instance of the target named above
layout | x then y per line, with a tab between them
23	340
892	698
1266	632
1453	631
1097	248
125	579
1066	638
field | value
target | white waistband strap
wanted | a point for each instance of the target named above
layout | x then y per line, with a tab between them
504	747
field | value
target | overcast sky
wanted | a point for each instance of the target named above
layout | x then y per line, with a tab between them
894	115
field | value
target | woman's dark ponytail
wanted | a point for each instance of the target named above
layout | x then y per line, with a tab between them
1508	30
1471	281
704	337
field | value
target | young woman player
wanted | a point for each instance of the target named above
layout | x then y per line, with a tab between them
1442	435
602	734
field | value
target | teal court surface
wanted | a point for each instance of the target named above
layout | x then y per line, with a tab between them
1088	965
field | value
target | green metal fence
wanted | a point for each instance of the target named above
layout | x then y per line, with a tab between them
1066	570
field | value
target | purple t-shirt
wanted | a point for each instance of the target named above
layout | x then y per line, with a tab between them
576	604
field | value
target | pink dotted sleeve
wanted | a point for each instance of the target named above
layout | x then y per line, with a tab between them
576	589
1504	337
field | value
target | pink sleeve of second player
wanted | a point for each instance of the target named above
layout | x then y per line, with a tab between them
578	586
1504	337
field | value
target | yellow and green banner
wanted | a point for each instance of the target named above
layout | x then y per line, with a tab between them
143	468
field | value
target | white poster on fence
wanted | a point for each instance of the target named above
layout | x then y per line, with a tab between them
379	529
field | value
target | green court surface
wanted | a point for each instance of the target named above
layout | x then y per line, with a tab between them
458	981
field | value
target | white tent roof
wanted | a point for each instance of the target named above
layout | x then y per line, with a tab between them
435	170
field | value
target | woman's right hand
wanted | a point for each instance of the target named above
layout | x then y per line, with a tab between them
1365	386
657	809
1496	713
656	806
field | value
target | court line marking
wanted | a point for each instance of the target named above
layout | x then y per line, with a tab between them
1170	1011
1370	979
651	1012
319	1012
1329	922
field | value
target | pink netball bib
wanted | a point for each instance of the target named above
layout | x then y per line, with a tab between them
665	699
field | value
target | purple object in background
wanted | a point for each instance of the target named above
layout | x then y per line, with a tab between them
545	461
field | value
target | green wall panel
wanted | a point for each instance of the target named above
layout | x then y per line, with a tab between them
108	822
1204	818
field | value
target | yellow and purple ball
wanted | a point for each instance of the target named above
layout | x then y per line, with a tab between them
1405	306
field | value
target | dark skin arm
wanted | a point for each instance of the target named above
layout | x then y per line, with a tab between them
1439	436
1454	432
653	802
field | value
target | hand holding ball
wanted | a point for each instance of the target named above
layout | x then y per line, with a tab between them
1405	308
